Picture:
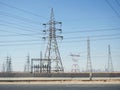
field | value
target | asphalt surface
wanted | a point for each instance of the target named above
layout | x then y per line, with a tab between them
60	87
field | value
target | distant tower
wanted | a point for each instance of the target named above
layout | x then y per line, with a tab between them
89	64
110	64
3	67
52	51
8	65
27	66
75	66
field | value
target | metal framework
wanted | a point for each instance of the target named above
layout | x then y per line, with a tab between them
52	51
3	67
27	66
8	65
37	66
89	64
110	64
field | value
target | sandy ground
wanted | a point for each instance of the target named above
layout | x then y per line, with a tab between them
59	81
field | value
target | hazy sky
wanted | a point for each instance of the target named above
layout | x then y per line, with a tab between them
21	30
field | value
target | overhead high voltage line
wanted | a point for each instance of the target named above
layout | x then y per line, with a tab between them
22	10
11	23
20	41
94	36
110	5
20	44
16	27
20	18
77	41
118	2
58	42
18	34
38	33
93	30
3	43
12	35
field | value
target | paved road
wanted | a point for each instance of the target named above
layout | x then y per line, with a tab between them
60	87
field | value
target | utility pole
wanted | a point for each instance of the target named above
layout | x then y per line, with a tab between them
89	64
110	64
52	51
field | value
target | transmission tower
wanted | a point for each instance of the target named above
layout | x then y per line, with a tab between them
3	67
89	64
27	66
52	51
75	66
110	64
8	64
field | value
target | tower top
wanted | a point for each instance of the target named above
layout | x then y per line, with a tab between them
52	15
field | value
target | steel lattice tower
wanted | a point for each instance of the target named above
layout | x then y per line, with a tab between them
27	66
110	64
8	64
89	64
3	69
52	51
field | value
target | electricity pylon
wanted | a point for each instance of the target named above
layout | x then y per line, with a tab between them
8	64
110	64
27	66
52	51
89	64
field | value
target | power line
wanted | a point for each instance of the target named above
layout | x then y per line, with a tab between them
65	38
94	30
97	30
11	23
22	10
118	2
91	40
17	28
14	25
34	40
20	44
34	34
94	36
113	8
13	35
20	18
2	45
19	41
19	34
7	31
108	35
